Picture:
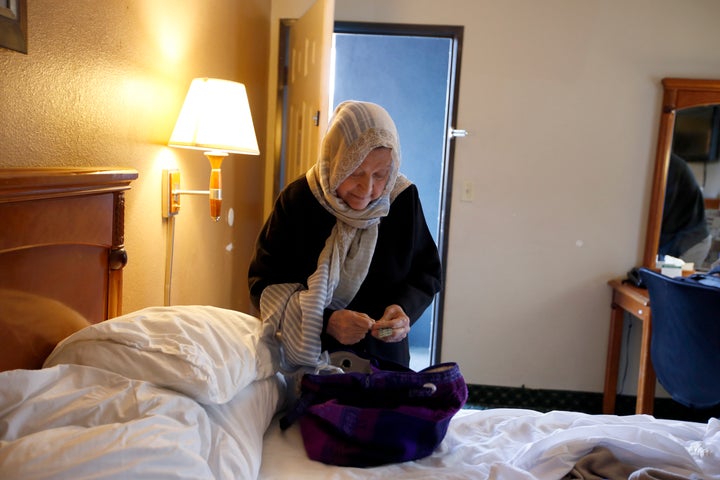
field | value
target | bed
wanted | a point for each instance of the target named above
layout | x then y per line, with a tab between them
192	391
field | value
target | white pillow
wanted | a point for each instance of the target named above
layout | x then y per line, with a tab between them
207	353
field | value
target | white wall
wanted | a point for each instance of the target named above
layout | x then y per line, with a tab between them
562	102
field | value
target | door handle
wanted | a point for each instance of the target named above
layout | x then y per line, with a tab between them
454	133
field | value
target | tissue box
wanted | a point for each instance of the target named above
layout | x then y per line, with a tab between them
673	267
671	270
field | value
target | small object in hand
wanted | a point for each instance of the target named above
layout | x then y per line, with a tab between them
384	332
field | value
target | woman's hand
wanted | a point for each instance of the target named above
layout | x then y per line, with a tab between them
394	325
349	327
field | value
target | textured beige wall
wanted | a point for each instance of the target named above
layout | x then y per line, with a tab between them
101	85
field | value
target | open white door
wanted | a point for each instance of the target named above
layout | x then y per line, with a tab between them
308	81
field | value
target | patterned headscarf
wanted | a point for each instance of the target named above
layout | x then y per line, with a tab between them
355	129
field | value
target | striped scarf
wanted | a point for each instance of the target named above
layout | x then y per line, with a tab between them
293	314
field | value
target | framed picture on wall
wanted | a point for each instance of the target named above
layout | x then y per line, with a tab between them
13	25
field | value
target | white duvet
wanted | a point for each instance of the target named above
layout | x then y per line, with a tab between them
74	421
179	392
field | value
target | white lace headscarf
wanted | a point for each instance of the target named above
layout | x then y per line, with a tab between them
355	129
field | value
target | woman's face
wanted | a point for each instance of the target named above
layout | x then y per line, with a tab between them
368	181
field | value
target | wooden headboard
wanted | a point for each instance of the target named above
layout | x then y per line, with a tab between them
62	236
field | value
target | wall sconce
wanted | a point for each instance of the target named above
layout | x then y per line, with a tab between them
215	118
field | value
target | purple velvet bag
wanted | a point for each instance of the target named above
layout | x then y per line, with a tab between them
390	415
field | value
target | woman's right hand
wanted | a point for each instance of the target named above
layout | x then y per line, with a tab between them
349	327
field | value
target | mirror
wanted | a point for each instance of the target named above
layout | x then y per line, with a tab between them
685	101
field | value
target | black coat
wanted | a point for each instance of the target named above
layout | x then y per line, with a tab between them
405	267
683	223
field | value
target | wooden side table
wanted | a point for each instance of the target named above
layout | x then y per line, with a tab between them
627	298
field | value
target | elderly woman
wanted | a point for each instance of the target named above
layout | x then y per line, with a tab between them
346	261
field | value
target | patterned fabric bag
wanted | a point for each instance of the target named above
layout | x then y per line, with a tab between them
391	414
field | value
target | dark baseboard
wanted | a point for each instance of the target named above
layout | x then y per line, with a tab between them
487	396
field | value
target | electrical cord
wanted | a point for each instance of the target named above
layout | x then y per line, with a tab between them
169	252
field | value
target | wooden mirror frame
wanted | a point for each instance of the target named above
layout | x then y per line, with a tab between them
678	93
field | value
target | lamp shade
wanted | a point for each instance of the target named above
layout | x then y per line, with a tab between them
216	116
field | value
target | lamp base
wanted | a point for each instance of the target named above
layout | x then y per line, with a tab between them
215	190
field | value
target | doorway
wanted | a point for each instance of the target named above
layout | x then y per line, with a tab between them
412	72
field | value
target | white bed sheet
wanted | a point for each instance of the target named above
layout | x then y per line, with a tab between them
516	444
